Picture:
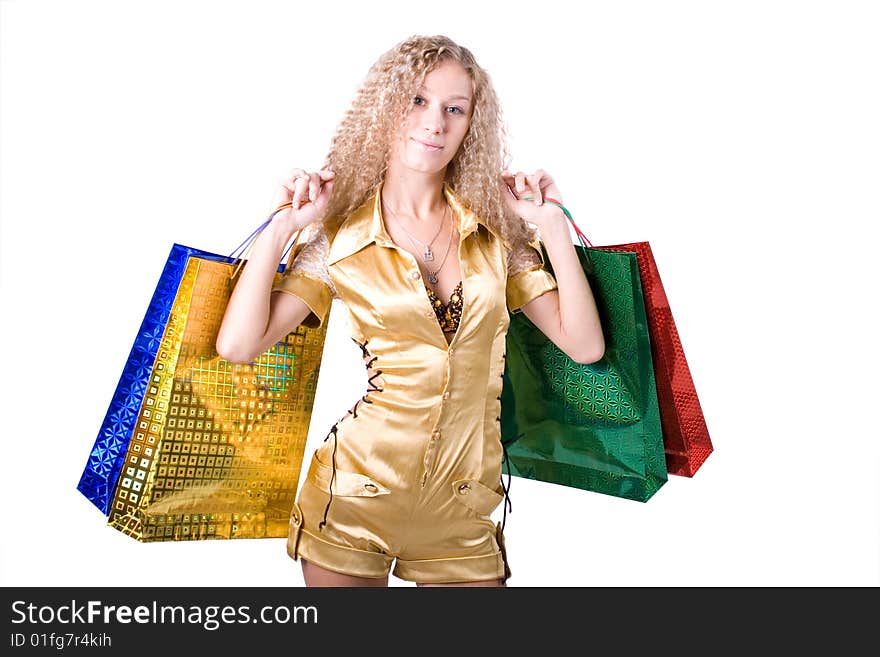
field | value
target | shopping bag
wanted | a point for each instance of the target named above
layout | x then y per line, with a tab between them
685	435
193	446
590	426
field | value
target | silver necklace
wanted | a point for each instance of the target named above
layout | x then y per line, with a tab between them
432	275
428	254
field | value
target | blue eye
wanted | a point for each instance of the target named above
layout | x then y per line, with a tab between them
418	100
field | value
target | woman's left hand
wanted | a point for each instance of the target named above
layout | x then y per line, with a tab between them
537	185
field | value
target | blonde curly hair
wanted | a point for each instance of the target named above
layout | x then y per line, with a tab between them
361	146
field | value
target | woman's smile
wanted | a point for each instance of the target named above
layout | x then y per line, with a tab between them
427	147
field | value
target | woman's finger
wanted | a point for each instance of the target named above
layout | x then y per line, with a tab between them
288	182
506	179
325	178
300	188
324	195
296	173
535	184
314	186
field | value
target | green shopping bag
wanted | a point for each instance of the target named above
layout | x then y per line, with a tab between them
595	427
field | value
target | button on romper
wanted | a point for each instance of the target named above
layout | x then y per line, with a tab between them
411	474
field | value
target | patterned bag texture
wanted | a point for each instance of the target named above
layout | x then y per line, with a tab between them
685	435
193	446
596	426
595	398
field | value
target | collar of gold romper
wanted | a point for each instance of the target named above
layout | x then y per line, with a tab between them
366	225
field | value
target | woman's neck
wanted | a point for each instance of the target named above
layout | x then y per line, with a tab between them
417	196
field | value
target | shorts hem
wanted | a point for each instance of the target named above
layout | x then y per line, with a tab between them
454	569
341	559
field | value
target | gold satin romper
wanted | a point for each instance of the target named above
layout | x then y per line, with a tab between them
415	465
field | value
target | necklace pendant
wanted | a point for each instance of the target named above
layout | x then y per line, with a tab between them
428	254
432	278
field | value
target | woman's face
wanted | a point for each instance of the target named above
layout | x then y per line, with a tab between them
438	120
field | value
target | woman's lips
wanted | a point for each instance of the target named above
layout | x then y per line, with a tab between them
428	148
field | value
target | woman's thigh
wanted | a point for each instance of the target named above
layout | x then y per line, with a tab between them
315	575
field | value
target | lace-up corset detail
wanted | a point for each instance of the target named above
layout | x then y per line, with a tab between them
353	412
448	314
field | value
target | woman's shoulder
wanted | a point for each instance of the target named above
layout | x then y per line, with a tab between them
320	234
523	248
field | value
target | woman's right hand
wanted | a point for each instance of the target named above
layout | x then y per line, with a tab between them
308	192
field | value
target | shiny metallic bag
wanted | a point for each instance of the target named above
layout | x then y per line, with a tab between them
590	426
686	438
193	446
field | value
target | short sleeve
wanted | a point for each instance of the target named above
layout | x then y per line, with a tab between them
527	279
308	277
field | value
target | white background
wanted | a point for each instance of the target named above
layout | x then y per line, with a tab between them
740	138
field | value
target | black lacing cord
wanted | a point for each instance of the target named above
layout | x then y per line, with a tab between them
507	502
373	387
332	478
353	412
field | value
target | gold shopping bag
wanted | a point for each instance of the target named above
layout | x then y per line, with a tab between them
194	446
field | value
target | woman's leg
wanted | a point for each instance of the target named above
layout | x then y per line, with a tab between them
316	576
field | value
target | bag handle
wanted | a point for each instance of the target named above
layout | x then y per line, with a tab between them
250	239
578	231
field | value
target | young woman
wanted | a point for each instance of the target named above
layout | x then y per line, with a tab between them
416	226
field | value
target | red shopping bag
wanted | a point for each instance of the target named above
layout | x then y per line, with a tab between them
685	435
686	439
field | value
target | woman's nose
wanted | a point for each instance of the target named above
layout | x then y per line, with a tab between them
434	121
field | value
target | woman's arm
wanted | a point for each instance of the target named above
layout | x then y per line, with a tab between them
568	315
255	319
